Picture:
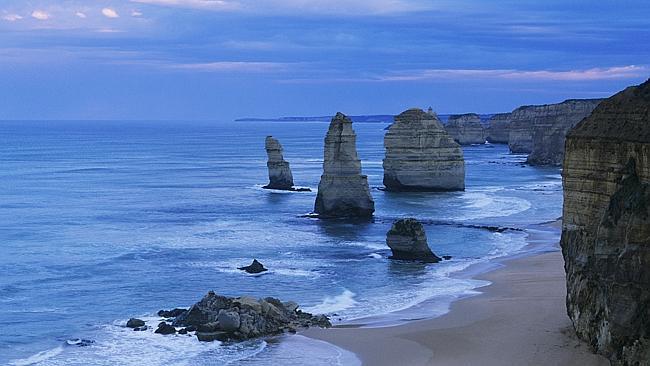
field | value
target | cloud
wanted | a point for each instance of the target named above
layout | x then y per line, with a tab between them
611	73
234	66
110	13
136	13
80	15
12	17
40	15
194	4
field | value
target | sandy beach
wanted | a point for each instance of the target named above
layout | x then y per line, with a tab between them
520	319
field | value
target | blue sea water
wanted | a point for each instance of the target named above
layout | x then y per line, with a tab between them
102	221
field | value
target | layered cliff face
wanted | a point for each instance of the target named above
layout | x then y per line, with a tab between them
606	227
466	129
421	156
280	176
343	191
551	126
498	130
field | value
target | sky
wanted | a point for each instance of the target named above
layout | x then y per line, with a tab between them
225	59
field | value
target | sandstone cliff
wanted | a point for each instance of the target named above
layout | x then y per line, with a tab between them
498	130
551	127
343	191
606	227
280	176
421	156
466	129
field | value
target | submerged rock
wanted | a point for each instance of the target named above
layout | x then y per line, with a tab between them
343	191
280	176
226	318
498	131
606	227
255	267
466	129
134	323
408	241
420	155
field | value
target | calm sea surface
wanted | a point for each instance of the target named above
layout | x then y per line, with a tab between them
102	221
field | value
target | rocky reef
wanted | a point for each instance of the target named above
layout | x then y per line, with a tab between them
498	131
540	130
606	227
280	176
466	129
421	156
408	241
551	126
224	318
343	191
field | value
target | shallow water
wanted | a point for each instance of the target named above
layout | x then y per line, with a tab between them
101	221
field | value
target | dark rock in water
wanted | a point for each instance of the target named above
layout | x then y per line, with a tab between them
301	189
226	318
212	336
191	328
164	328
171	313
183	331
134	323
141	329
606	227
446	257
408	241
255	267
79	342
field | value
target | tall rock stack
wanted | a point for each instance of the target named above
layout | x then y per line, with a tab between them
606	227
421	156
498	130
549	131
343	191
280	176
466	129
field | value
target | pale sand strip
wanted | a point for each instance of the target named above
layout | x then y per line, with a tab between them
518	320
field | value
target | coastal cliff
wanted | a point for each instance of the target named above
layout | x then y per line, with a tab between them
606	227
466	129
280	176
343	191
421	156
498	130
551	126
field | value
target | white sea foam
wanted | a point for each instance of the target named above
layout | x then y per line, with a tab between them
332	304
375	255
38	358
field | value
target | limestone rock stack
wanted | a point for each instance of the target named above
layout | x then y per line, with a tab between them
408	241
549	131
343	191
421	156
498	130
606	227
280	176
466	129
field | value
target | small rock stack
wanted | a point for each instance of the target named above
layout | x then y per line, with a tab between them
408	241
280	176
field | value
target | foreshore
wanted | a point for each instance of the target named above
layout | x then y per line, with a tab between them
519	319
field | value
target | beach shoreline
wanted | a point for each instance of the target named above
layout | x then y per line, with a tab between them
518	319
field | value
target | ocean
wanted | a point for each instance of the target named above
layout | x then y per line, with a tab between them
103	221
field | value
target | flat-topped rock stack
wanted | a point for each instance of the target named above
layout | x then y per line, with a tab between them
343	191
466	129
498	131
280	176
550	129
606	227
421	156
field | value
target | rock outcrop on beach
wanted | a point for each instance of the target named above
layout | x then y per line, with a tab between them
421	156
343	191
606	227
280	176
550	129
466	129
224	318
498	130
408	241
540	129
